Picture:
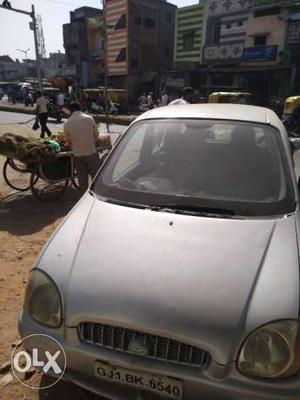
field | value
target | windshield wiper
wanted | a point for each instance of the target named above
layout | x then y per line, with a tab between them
191	209
176	208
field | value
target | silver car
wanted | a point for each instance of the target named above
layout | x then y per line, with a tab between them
177	275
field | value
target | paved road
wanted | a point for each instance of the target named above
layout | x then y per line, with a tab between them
10	119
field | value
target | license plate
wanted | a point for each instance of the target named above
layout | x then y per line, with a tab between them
167	387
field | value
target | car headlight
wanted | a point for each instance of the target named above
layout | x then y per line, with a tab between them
272	351
42	300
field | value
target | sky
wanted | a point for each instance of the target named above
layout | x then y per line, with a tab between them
14	28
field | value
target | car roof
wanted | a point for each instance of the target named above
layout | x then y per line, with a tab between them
227	112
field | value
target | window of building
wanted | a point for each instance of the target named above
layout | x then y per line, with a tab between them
260	40
138	21
228	26
267	11
134	62
122	55
216	33
121	24
188	41
240	23
149	23
169	17
167	52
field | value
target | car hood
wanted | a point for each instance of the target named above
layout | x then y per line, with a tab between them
203	281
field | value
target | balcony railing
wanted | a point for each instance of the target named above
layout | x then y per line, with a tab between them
264	3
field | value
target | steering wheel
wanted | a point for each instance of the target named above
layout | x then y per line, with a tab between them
126	182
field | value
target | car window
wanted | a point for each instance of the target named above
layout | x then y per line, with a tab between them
236	165
131	156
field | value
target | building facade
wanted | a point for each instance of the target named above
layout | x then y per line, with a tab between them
293	44
226	31
82	43
140	43
11	70
266	48
266	33
53	65
190	32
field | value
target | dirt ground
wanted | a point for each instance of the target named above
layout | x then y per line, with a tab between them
25	225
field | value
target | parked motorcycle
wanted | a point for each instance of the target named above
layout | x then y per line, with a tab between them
54	111
114	108
28	101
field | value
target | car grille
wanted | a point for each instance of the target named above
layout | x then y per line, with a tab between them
158	348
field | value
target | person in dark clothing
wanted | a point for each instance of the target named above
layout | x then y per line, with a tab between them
42	113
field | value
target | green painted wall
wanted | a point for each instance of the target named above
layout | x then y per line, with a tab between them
190	19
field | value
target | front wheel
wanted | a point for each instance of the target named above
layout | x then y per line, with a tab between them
17	165
15	177
47	191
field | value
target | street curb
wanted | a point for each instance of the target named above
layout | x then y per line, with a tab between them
22	110
119	120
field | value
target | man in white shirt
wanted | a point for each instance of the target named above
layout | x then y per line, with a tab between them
187	97
150	101
60	100
42	113
164	99
82	132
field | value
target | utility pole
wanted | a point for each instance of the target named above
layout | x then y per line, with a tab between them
105	41
33	27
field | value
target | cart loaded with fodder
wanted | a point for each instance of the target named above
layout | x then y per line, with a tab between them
46	167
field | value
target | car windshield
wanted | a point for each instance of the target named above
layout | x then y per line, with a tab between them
200	165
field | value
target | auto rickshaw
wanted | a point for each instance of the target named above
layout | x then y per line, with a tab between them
231	97
290	104
117	97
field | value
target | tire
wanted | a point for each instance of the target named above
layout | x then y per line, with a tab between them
47	191
17	165
17	179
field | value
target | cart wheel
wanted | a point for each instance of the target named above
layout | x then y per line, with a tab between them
17	179
17	165
47	191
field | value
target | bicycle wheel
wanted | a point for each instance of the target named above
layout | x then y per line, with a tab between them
47	191
17	179
17	165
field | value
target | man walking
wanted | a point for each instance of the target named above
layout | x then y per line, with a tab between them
82	132
60	100
187	97
164	99
42	113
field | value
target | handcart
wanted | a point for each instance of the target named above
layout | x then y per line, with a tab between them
48	178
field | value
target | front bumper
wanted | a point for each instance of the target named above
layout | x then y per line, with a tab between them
215	383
